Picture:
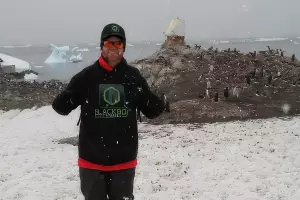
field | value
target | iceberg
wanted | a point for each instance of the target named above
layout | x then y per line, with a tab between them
12	62
30	77
76	58
64	54
58	54
77	49
270	39
224	42
129	45
80	50
74	49
17	46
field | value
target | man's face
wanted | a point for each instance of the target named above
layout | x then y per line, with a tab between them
113	48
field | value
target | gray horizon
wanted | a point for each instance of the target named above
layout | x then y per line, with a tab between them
74	21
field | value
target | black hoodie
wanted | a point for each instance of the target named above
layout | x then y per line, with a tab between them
108	130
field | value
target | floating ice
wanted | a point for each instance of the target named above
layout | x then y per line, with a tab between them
129	45
74	49
224	42
19	65
83	50
79	50
58	54
30	77
76	58
17	46
270	39
64	54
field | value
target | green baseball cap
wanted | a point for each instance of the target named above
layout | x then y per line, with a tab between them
112	30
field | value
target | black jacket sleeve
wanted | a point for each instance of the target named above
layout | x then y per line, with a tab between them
149	103
72	96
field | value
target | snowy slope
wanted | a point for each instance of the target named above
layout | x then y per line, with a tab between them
256	160
20	65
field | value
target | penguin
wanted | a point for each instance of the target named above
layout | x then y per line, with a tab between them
208	85
253	54
207	93
196	46
278	74
216	97
270	51
236	92
253	73
248	80
270	77
211	68
293	57
201	96
262	71
226	92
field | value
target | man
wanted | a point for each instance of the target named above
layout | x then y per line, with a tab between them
109	93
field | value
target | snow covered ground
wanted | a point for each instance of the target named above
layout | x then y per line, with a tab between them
20	65
254	160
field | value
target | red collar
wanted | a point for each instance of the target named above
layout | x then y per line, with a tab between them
105	65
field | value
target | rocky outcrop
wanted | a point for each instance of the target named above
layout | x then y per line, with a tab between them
258	85
17	93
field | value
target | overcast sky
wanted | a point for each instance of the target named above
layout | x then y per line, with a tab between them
75	21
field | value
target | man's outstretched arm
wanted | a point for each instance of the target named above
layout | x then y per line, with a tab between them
150	104
72	96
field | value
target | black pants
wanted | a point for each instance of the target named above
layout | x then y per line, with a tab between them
99	185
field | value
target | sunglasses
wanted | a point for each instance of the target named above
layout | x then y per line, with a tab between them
117	44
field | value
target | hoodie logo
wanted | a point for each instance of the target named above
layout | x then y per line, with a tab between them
112	102
111	96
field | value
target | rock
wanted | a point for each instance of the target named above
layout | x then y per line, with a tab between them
71	140
16	93
185	77
8	69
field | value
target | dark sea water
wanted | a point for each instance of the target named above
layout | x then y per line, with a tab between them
37	54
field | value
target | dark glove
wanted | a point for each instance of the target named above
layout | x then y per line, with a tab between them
63	103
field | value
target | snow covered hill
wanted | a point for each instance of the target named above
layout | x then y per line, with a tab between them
254	160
